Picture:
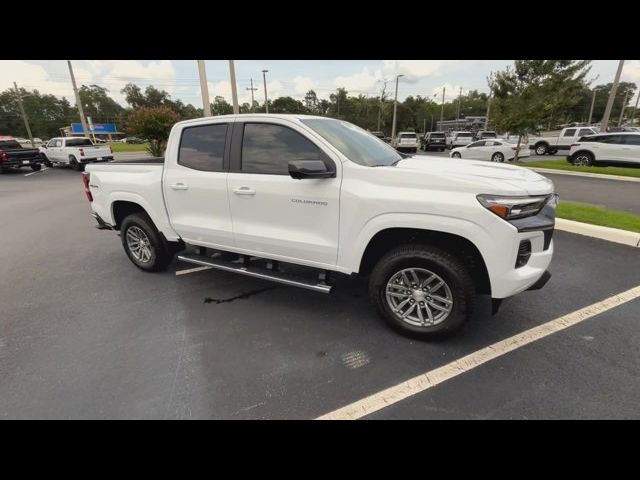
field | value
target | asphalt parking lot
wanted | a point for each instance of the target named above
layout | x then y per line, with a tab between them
85	334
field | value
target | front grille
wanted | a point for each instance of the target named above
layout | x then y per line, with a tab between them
548	234
524	252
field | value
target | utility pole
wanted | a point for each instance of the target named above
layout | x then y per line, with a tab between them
424	126
624	105
459	100
266	99
204	89
431	130
234	90
85	128
395	108
442	109
593	102
612	96
633	115
252	90
24	115
486	121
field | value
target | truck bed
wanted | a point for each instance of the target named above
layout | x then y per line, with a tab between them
138	181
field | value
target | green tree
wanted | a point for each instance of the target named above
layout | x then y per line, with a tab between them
153	124
536	91
287	105
47	113
97	104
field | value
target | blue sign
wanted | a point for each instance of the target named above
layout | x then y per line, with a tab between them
97	128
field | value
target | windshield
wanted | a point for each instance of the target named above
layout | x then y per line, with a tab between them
464	135
437	135
356	144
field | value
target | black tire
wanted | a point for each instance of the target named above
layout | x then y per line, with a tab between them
75	164
434	260
541	148
161	252
497	157
582	159
456	155
36	167
47	163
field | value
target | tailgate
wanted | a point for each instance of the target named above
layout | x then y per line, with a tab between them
96	152
23	154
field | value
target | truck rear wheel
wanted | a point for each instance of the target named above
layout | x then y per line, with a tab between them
75	164
422	291
36	167
144	245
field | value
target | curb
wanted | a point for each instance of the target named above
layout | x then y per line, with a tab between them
616	235
585	174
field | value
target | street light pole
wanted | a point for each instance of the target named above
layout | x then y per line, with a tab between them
204	89
395	108
612	96
234	89
266	99
85	129
24	115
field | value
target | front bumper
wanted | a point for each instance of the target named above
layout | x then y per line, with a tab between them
538	230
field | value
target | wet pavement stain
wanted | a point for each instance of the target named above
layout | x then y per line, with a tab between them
241	296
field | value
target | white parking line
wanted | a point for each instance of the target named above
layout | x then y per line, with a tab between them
385	398
192	270
37	171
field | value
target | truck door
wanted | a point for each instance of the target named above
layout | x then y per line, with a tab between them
568	137
272	213
195	185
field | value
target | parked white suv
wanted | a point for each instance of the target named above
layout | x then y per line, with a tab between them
296	195
459	139
406	142
620	147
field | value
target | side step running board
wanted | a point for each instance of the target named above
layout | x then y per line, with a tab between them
253	271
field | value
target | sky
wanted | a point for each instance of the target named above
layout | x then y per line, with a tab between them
284	78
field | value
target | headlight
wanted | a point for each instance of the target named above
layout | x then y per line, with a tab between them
510	208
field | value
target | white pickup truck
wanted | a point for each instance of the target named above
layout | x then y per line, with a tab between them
561	143
75	152
300	199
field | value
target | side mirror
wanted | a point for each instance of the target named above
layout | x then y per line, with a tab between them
300	169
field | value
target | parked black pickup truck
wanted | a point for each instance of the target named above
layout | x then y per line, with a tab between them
13	155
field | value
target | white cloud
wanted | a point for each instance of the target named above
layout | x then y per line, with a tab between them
111	74
302	85
360	82
415	70
31	76
451	92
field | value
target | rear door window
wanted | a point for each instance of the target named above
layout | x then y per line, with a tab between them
569	132
202	147
78	142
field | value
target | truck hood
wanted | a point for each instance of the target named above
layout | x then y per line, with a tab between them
496	178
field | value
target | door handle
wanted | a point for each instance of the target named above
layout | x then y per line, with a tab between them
244	191
179	186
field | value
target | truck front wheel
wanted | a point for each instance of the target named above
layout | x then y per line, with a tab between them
541	148
422	291
144	245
